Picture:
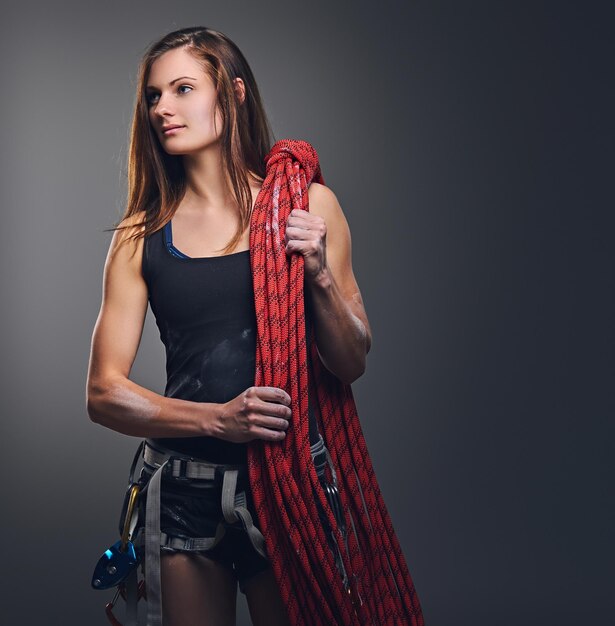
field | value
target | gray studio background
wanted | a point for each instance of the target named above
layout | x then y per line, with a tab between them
467	145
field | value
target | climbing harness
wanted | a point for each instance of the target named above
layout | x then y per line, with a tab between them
141	540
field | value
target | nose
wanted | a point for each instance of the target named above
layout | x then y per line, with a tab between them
160	112
161	108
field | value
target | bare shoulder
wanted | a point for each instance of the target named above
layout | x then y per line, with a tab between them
123	237
324	203
129	226
322	199
124	246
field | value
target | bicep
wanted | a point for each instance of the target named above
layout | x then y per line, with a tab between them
119	326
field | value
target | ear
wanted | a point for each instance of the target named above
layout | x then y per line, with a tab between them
240	89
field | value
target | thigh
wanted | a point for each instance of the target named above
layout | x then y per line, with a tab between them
196	591
236	546
264	600
197	588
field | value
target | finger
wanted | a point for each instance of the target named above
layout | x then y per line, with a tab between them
297	213
306	247
276	410
273	394
273	423
268	435
272	409
296	232
302	217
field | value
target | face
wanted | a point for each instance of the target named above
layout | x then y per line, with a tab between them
189	102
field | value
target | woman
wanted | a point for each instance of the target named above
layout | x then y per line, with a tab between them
196	169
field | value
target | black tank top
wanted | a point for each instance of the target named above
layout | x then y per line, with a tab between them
204	310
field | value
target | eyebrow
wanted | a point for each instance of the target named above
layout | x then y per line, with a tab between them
173	81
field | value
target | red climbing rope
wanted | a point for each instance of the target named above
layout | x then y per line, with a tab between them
282	477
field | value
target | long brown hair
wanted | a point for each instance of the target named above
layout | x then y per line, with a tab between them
156	179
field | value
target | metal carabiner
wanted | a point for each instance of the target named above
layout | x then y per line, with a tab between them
109	609
133	492
122	590
333	497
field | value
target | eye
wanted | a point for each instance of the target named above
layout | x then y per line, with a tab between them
149	101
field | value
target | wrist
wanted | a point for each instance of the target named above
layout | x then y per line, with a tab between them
210	418
323	280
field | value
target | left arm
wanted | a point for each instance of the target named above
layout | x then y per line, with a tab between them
342	331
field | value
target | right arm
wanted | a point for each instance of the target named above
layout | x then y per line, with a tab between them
116	402
112	400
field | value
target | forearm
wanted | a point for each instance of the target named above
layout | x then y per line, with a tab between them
128	408
340	335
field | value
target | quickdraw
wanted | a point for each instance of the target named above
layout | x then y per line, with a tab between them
352	584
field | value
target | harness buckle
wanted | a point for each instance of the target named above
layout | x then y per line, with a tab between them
177	468
242	475
220	471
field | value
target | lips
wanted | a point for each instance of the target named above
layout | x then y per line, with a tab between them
165	129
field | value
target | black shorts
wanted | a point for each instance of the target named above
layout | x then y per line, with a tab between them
193	509
190	511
